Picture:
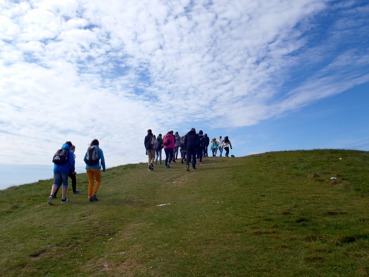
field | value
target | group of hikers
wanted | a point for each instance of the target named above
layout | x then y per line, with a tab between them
192	147
64	167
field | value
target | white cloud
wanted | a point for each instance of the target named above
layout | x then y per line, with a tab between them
78	70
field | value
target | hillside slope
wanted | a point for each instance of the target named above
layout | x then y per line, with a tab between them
297	213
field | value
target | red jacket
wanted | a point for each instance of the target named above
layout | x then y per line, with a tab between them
171	139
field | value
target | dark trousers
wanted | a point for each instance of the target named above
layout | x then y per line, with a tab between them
191	156
73	177
206	151
200	154
227	151
168	155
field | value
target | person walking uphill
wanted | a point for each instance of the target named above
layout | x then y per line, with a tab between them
72	174
150	142
158	148
94	159
63	164
214	147
169	145
227	144
191	143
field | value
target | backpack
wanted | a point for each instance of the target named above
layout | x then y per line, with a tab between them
153	142
159	143
166	140
92	155
201	141
61	156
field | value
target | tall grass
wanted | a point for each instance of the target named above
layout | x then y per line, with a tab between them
297	213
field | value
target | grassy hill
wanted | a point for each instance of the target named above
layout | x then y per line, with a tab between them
297	213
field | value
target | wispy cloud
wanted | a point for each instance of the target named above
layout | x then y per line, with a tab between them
110	70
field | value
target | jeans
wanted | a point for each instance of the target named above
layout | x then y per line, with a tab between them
61	178
176	153
220	150
158	155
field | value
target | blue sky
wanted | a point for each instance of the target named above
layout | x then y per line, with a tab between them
271	74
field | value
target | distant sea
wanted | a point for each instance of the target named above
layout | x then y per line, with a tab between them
15	175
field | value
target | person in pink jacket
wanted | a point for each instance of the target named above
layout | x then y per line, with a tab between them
169	146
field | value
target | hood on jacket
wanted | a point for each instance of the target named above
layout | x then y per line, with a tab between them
65	146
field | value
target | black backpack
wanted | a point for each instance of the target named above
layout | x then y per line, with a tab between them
61	156
201	141
92	155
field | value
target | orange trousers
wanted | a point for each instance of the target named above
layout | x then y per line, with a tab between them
94	181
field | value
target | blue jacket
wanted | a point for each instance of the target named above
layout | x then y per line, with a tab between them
68	166
101	162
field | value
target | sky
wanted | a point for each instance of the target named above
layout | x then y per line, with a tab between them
273	75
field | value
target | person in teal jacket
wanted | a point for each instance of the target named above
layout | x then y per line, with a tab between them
94	173
61	172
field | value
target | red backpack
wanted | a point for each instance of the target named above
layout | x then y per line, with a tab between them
166	140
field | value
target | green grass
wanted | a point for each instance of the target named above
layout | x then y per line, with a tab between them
274	214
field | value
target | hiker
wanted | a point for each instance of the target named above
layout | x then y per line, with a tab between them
183	150
206	146
158	148
61	172
177	138
220	145
200	149
214	147
191	144
150	142
72	174
226	145
94	159
169	145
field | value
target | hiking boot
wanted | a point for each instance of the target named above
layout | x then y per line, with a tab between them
65	200
50	201
91	200
76	192
188	167
95	198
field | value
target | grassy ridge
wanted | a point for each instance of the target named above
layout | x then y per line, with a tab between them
297	213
